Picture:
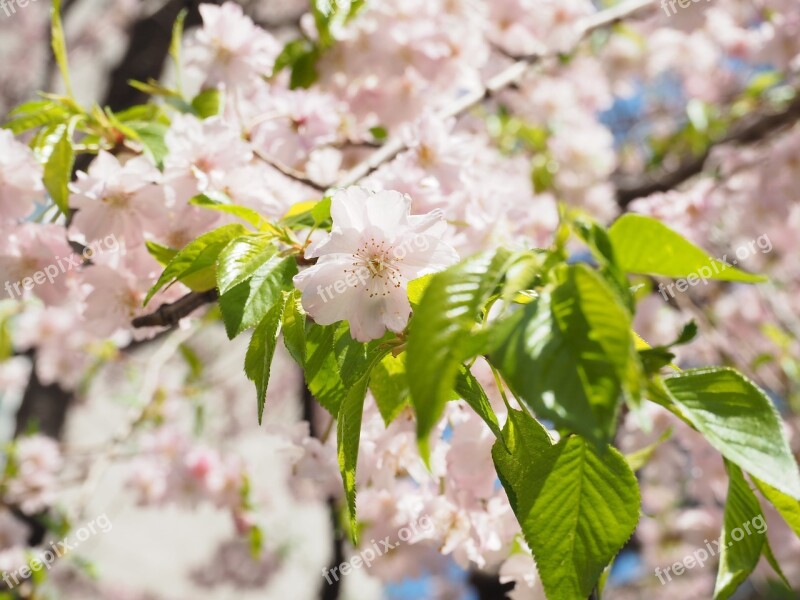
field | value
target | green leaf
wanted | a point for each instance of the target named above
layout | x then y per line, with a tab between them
577	506
248	215
49	113
568	354
348	439
195	264
450	306
348	436
788	507
245	304
741	540
258	361
151	135
740	421
389	386
645	245
59	45
294	328
208	103
355	358
322	369
304	70
175	45
241	259
470	390
639	458
58	168
599	242
161	253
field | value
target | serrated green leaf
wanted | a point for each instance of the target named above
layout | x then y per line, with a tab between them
195	264
241	259
447	313
567	355
389	386
740	421
647	246
740	549
258	360
294	327
245	304
348	436
577	506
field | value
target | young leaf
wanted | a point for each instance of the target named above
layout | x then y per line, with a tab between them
577	506
645	245
151	135
248	215
58	168
208	103
740	421
245	304
740	551
59	45
195	264
567	355
450	305
258	361
161	253
241	259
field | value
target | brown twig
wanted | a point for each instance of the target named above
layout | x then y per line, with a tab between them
168	315
749	130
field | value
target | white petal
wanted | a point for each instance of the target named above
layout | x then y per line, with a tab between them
388	211
349	208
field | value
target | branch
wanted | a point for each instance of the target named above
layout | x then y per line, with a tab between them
168	315
386	153
748	130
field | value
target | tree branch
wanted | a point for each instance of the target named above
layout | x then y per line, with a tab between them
748	130
168	315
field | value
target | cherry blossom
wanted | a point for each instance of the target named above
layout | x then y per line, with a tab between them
363	267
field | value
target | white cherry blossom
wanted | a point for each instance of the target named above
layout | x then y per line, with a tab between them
374	249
